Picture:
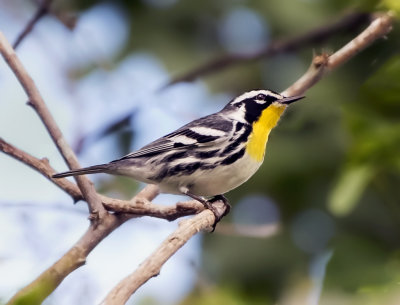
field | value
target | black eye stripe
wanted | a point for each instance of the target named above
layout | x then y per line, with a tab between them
270	99
254	109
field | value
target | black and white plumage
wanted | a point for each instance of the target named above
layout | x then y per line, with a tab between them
206	157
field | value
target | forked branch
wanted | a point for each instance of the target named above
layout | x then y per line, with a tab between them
36	101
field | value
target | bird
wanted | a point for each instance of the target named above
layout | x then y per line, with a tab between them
209	156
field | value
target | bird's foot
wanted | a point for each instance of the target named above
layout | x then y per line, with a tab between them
218	212
227	206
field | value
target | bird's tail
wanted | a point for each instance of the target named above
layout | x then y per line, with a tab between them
83	171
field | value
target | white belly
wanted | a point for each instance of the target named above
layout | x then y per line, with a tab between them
216	181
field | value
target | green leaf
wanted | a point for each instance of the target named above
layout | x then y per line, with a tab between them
348	190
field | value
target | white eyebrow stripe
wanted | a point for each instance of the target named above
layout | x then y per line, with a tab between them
254	93
207	131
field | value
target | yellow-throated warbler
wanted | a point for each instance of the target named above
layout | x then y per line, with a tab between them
209	156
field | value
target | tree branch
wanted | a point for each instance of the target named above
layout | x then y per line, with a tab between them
321	64
42	10
348	22
152	265
36	101
45	284
43	167
140	205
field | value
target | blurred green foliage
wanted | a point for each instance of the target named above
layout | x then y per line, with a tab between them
337	151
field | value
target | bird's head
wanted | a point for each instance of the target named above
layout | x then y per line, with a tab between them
253	103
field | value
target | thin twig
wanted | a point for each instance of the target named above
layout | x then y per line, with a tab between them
348	22
43	167
378	28
152	265
140	205
42	10
33	206
67	18
96	209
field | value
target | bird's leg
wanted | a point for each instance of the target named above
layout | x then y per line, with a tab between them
205	202
208	204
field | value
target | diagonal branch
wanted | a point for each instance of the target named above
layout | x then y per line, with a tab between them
140	205
36	101
348	22
152	265
43	167
321	64
42	10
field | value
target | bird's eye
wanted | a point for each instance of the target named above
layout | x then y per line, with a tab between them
261	97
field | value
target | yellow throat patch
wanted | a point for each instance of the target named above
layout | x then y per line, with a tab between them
261	129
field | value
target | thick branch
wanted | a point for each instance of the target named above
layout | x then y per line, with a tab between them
36	101
45	284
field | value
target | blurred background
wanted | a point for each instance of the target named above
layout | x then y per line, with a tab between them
318	224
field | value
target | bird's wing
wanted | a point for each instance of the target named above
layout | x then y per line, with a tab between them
192	135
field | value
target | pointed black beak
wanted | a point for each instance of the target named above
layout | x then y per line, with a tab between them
290	99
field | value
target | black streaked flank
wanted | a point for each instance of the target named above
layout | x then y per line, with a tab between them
206	154
239	125
177	145
234	157
184	169
242	138
174	156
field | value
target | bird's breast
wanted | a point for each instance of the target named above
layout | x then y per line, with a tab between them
261	128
